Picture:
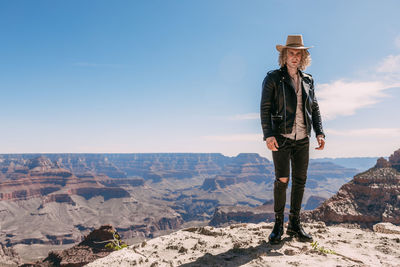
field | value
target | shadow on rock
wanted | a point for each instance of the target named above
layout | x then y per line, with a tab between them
238	256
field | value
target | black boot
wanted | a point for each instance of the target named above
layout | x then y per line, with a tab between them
276	235
295	229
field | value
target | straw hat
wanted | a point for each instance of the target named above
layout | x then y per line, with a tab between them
294	42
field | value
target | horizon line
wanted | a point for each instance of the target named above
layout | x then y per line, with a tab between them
128	153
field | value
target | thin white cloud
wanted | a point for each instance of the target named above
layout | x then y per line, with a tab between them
342	98
234	137
247	116
390	64
375	132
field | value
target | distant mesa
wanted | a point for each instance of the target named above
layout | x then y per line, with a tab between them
39	176
250	158
40	163
106	192
59	198
223	181
219	182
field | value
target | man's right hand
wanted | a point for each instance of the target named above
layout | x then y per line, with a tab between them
272	144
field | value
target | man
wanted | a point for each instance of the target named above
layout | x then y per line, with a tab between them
289	109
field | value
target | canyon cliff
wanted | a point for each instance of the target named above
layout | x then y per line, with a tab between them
372	196
143	195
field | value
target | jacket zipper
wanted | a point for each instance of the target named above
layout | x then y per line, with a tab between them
284	102
305	112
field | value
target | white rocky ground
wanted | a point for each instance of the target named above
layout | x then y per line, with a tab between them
245	245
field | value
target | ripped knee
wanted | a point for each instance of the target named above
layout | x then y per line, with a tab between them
284	179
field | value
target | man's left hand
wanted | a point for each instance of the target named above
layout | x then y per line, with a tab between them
321	142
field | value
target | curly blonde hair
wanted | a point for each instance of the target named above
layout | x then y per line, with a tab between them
304	62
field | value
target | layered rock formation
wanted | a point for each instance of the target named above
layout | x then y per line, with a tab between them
219	171
382	163
142	195
222	181
97	244
43	203
371	197
394	160
40	177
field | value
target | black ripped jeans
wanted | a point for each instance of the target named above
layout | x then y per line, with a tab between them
296	153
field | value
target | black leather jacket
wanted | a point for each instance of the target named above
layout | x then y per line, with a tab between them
279	102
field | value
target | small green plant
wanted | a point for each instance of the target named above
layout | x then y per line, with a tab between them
115	243
321	249
113	246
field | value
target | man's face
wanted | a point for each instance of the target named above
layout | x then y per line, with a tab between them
293	58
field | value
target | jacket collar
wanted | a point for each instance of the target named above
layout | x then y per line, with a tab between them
286	78
286	75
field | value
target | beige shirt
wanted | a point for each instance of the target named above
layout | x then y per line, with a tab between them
299	130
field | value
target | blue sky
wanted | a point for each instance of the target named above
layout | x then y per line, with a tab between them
185	76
